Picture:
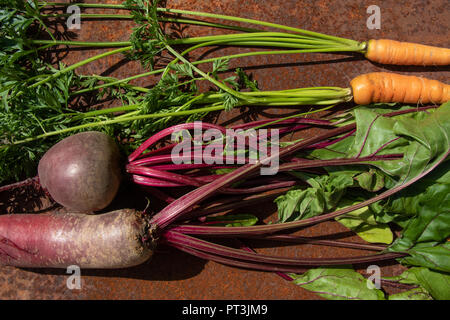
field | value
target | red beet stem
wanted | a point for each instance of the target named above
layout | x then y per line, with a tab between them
232	203
267	229
317	241
162	134
237	263
150	182
170	213
283	275
306	163
164	175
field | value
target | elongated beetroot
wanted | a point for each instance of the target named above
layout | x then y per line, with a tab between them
82	172
117	239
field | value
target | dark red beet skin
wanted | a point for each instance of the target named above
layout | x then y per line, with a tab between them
117	239
82	172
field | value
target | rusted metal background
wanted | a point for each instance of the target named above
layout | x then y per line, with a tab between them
175	275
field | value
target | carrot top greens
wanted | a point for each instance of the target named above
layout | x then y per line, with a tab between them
37	98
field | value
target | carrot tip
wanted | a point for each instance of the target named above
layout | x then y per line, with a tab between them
387	51
391	87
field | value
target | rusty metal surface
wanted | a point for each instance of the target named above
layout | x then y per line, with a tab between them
175	275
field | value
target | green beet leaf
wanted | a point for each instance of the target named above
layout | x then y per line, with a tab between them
371	180
362	222
436	283
413	294
431	283
422	137
432	255
338	283
427	202
323	194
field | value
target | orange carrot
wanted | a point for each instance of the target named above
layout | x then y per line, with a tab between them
405	53
391	87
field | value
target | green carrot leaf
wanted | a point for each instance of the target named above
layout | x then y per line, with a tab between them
229	101
219	65
246	80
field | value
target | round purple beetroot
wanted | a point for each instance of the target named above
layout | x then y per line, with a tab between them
82	172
